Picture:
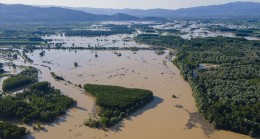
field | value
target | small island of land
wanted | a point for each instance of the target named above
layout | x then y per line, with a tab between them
115	103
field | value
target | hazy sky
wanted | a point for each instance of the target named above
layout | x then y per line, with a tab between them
141	4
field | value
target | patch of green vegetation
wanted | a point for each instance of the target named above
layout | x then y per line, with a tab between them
113	29
93	123
20	41
171	31
26	77
254	31
116	102
1	69
160	52
16	42
242	34
40	102
255	81
25	56
56	77
174	96
11	131
164	41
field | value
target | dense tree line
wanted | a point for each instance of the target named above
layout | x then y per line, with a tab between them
142	26
26	77
25	56
56	77
36	39
1	68
40	102
113	29
229	94
156	40
237	32
172	31
115	103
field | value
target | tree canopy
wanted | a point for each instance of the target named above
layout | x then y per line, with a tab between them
228	94
116	102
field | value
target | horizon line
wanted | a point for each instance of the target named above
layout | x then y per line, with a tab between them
61	6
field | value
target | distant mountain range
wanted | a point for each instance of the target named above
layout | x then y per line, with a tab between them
25	13
229	9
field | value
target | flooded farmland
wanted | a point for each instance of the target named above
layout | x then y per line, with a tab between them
165	117
123	40
102	70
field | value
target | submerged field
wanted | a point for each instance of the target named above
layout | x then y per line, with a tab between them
171	114
141	69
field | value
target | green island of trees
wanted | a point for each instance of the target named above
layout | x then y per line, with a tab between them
115	103
26	77
228	95
39	102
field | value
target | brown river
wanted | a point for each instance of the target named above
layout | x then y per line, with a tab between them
164	118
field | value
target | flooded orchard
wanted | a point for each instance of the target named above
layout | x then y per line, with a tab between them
165	117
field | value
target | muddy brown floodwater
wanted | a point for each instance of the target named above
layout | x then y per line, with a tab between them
164	118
